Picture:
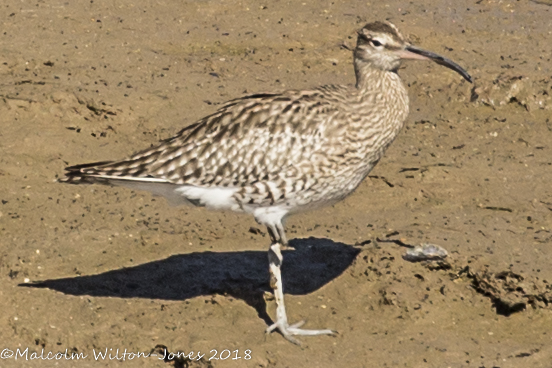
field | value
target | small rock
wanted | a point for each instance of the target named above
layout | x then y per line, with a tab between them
425	252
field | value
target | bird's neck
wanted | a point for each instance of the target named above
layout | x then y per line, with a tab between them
380	93
370	78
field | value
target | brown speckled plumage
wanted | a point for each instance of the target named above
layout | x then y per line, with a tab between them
272	155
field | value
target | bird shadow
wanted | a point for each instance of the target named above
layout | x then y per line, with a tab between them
311	264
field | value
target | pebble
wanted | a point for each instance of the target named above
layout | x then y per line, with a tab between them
425	252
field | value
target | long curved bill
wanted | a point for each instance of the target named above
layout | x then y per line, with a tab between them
411	52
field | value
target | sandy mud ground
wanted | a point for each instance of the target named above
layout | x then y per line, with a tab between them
85	268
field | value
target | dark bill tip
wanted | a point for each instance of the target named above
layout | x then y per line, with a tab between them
441	61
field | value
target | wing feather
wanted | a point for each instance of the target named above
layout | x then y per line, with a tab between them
257	137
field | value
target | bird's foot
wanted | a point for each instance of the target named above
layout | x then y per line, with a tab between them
289	330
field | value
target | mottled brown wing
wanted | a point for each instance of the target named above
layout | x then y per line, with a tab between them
251	139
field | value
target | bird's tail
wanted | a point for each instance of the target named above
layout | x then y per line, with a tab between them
91	173
120	174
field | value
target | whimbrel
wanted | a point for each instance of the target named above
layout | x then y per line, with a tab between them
272	155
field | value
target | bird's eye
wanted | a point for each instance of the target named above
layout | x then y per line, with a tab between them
375	43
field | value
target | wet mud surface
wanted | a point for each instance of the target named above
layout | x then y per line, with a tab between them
86	268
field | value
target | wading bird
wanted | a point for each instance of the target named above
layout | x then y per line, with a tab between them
275	154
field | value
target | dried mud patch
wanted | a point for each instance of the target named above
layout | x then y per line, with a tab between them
508	292
511	292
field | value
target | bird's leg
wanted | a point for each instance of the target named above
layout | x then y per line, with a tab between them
273	234
282	234
275	261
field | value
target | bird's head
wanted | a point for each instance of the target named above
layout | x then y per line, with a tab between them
381	45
